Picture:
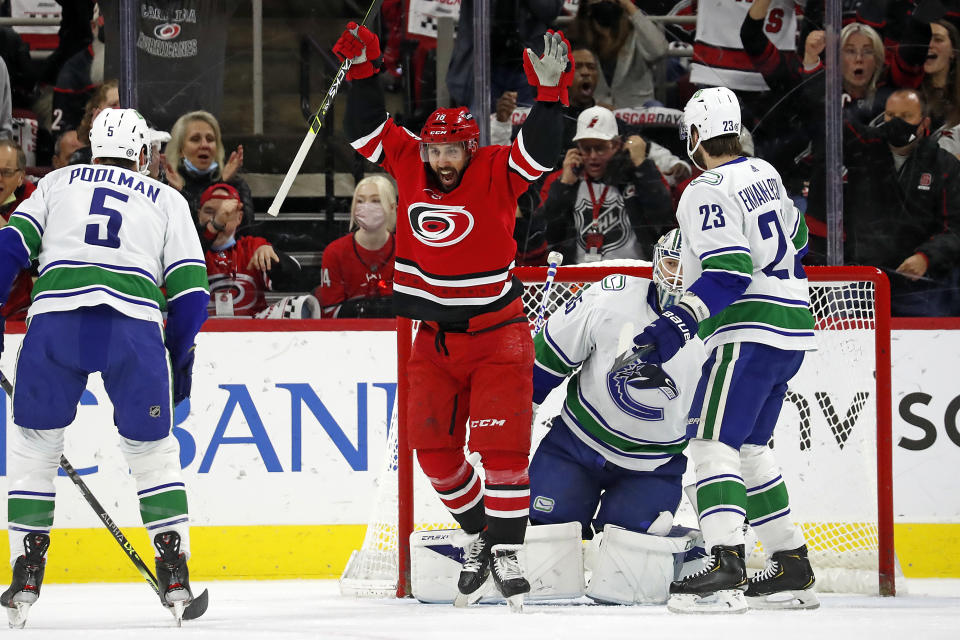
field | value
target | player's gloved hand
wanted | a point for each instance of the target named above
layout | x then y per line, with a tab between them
183	377
546	72
361	47
667	334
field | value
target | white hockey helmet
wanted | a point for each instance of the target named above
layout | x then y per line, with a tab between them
667	272
119	133
715	112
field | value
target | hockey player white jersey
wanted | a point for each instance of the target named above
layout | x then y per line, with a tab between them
738	219
636	417
108	235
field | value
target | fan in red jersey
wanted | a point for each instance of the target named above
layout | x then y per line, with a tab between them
357	274
472	360
241	269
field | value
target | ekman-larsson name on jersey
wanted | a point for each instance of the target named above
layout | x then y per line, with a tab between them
759	193
118	177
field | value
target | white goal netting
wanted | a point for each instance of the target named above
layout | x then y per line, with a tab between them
826	442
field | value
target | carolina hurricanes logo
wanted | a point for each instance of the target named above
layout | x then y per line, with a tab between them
166	31
593	122
439	226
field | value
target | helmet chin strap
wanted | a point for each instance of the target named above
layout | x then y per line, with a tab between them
692	152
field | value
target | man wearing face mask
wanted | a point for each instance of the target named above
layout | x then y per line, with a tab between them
902	207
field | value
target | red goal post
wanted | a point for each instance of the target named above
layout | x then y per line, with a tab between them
852	309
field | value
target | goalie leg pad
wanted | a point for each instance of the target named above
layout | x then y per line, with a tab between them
721	495
636	568
767	500
155	466
33	457
551	558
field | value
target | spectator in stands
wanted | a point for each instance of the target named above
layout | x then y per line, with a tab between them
941	85
66	145
78	79
357	271
626	43
609	200
194	160
6	103
901	207
14	190
107	96
515	25
241	269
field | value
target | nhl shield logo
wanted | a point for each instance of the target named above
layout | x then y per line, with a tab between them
155	411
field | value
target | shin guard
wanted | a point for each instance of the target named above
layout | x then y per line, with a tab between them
721	496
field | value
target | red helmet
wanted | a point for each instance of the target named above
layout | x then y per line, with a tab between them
451	125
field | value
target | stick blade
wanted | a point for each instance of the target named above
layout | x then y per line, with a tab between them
197	607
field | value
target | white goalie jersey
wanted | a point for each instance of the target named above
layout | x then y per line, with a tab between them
635	418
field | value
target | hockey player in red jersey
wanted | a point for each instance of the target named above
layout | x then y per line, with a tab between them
472	360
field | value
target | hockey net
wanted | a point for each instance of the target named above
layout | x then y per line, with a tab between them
832	442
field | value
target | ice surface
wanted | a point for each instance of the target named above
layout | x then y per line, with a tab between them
241	610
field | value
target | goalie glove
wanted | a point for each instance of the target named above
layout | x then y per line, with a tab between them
551	73
666	335
361	47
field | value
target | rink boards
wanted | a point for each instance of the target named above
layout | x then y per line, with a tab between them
285	436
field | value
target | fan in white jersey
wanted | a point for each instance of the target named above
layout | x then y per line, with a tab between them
747	298
619	440
115	248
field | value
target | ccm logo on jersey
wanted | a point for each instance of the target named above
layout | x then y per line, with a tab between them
439	226
487	422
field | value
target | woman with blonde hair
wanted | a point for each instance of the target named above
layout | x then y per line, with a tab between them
357	269
194	160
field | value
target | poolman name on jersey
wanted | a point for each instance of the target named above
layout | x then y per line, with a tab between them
118	177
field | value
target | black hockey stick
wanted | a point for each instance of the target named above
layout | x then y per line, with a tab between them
197	606
315	123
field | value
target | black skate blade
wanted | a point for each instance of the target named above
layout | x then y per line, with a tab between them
197	607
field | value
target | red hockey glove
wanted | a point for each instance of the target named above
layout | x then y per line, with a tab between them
361	47
546	72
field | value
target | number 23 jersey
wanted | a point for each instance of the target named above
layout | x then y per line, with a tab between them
108	235
737	219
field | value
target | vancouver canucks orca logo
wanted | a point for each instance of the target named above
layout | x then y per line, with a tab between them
627	384
439	226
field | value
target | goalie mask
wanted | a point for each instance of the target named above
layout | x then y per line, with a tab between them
715	112
119	134
667	272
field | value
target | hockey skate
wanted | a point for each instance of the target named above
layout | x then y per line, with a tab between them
173	577
476	569
785	583
717	588
27	578
508	576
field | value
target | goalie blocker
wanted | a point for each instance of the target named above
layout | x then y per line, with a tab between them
627	567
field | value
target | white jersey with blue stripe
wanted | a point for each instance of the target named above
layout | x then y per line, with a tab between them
737	222
635	417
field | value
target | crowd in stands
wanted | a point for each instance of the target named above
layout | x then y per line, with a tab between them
615	186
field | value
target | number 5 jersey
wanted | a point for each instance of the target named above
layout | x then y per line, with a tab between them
104	235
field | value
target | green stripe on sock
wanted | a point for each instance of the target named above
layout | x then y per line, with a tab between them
162	506
30	513
770	500
713	403
721	493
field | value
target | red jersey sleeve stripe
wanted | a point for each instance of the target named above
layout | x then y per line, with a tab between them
371	146
523	163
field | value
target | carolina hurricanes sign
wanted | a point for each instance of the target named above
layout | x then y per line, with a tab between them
437	225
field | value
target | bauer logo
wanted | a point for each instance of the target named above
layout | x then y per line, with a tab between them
166	31
438	226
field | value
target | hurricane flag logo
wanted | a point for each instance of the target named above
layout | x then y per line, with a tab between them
439	226
167	31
